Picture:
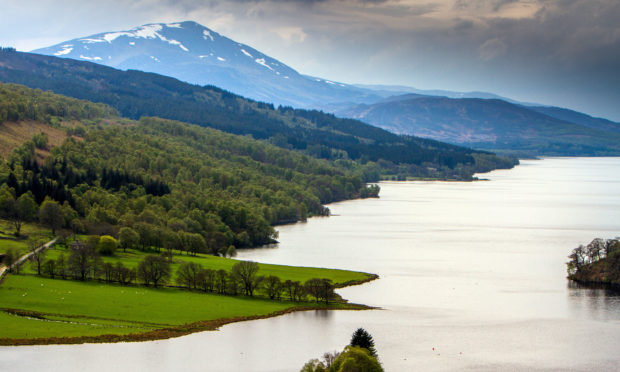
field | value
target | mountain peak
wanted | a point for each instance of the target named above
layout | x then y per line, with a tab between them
196	54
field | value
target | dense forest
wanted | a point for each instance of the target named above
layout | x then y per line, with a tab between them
136	94
20	103
597	262
159	179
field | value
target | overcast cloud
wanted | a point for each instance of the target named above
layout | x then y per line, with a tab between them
561	52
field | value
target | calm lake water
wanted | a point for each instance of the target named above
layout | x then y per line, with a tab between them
472	278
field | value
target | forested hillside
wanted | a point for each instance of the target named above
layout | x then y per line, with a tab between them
161	179
135	94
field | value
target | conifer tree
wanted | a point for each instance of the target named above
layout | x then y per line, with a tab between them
363	339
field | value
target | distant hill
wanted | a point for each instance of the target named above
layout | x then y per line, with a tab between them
193	53
578	118
492	124
135	94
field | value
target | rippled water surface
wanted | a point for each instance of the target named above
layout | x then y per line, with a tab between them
472	278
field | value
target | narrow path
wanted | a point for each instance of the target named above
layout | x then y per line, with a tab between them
22	259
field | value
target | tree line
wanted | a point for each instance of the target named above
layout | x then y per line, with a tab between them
85	262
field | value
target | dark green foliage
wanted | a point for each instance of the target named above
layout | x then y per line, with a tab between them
363	339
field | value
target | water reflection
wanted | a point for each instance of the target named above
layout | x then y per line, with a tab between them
592	301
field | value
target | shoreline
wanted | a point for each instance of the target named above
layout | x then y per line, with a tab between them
175	331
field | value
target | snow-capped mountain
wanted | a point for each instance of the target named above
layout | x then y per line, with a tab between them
193	53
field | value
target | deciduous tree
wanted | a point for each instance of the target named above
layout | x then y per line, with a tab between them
107	245
247	273
50	214
81	261
273	287
154	270
188	274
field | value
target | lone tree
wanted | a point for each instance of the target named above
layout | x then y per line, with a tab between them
363	339
246	272
107	245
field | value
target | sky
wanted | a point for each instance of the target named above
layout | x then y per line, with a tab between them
555	52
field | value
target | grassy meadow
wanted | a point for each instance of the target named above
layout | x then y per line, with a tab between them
66	308
131	258
39	310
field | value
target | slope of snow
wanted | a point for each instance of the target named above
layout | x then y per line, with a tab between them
261	61
91	58
66	50
206	34
191	52
91	41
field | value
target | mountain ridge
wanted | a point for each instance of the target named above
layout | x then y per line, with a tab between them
196	54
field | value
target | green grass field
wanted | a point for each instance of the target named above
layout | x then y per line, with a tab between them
34	307
73	309
131	258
